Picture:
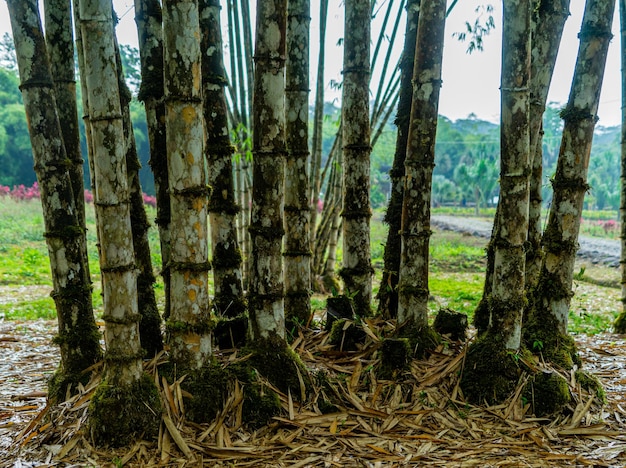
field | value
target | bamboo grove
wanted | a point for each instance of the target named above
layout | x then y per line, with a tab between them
238	181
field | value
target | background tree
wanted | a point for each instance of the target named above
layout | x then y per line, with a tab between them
318	121
227	272
297	251
387	293
78	335
148	17
477	181
620	322
7	53
356	271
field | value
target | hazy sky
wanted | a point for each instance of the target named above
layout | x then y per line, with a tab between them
470	82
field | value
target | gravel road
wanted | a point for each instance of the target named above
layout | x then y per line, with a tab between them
592	249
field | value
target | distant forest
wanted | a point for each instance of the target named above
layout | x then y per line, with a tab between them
467	150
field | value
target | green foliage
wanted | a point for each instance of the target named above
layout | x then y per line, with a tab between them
8	59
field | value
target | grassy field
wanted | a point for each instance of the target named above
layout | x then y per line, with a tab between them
456	280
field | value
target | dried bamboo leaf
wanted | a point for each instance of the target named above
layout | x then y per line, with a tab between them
177	437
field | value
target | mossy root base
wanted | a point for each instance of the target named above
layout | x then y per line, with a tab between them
120	415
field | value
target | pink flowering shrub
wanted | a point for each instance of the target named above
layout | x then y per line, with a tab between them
20	192
23	193
149	200
609	225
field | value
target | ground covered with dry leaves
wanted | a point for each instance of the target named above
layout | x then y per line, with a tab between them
420	419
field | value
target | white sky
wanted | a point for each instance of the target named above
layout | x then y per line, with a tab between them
470	82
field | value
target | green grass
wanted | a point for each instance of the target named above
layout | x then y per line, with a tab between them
29	310
24	264
457	264
457	291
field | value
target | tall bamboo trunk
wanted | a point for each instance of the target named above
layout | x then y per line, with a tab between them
506	302
554	291
620	322
548	24
189	320
85	102
329	274
266	298
117	263
227	261
388	293
331	204
148	17
490	373
413	290
59	40
78	335
150	323
124	386
297	251
357	269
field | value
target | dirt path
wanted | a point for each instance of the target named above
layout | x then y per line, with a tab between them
595	250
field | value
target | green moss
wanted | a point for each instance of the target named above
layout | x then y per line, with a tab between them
208	388
260	405
590	383
395	356
330	282
61	382
202	327
279	364
346	337
548	393
619	326
481	316
450	322
491	371
541	333
422	340
327	400
120	415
